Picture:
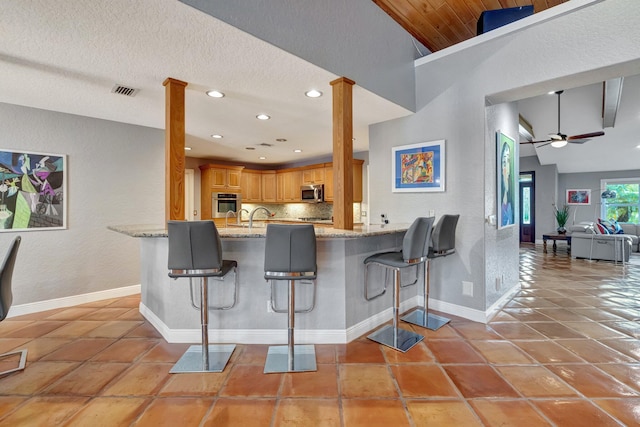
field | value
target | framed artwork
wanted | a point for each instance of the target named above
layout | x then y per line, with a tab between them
418	167
578	197
506	180
33	190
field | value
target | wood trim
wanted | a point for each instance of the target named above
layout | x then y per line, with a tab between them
343	153
174	148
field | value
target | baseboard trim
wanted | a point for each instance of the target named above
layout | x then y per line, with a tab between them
52	304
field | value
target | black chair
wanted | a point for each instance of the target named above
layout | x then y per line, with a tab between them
290	254
415	248
195	251
443	243
6	298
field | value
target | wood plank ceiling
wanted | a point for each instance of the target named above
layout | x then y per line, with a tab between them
438	24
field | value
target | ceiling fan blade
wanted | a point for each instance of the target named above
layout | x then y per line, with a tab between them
585	136
578	141
535	142
539	146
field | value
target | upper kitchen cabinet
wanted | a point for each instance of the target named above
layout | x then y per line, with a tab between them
251	185
357	181
221	178
288	186
314	175
268	183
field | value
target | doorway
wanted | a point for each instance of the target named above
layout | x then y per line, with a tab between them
527	207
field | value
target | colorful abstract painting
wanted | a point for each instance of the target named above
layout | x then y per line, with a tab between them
418	167
32	191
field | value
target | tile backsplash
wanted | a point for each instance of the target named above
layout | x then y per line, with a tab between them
303	210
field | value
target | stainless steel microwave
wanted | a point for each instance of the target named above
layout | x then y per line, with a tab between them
221	203
312	193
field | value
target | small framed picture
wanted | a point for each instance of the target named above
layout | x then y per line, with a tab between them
418	167
578	197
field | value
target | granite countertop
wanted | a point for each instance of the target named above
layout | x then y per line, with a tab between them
364	230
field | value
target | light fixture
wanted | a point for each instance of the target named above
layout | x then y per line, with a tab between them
313	93
187	148
281	140
553	92
216	136
297	150
559	143
215	94
262	117
250	148
262	158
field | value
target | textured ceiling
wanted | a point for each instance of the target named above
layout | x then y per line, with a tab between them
438	24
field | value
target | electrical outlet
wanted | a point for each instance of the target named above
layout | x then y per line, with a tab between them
363	213
432	212
498	283
269	309
384	218
467	288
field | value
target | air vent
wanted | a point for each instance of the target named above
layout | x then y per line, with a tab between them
264	144
123	90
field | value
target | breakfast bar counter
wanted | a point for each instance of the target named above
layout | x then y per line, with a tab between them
341	312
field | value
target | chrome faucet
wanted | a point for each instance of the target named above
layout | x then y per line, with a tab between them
226	218
240	215
254	211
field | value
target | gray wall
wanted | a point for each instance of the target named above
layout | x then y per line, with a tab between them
354	39
588	181
115	176
545	193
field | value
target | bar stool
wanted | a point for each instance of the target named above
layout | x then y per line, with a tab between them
195	251
415	247
290	254
443	244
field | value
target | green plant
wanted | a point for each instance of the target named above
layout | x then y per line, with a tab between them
562	215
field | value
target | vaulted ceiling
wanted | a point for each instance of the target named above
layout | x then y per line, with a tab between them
438	24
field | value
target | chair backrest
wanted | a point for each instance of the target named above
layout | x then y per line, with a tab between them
290	249
194	245
443	238
6	274
415	244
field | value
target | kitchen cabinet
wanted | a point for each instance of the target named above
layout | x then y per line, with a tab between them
313	175
217	179
288	186
268	183
251	186
357	181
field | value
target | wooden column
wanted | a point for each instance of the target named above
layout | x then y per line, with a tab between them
343	153
174	149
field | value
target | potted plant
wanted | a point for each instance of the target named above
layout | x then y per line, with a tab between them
562	215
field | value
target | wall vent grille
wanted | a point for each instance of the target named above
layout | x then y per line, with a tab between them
124	90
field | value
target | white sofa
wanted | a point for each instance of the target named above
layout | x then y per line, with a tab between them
585	243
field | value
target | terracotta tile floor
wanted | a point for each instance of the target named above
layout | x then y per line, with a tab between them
563	352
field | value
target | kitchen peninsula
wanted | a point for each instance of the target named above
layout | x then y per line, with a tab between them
341	313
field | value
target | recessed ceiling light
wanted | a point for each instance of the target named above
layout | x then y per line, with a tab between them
313	93
215	94
553	92
297	150
262	158
187	148
637	146
262	117
216	136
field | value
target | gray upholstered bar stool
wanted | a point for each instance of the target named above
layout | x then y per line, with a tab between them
195	251
290	254
443	243
415	247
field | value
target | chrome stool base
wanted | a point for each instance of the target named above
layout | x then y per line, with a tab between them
191	360
304	359
430	321
396	338
21	363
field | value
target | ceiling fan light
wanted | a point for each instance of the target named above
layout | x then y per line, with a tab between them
559	143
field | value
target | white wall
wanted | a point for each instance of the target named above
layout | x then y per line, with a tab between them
115	176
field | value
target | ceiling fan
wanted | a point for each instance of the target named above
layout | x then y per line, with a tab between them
559	140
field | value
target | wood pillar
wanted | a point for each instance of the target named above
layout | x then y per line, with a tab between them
174	149
343	153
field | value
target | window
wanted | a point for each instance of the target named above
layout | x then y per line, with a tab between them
625	206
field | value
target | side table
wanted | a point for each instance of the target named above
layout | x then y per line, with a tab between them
554	237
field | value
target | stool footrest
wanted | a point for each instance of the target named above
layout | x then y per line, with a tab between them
304	359
191	360
21	363
396	338
430	321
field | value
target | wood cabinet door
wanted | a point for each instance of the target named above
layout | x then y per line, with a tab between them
269	187
218	178
313	176
233	179
328	183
